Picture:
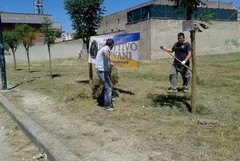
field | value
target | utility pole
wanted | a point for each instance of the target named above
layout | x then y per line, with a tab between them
2	59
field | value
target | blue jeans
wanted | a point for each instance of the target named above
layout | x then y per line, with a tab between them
107	88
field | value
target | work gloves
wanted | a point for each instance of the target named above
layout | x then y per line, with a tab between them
183	62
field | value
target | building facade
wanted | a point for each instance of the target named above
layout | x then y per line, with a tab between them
9	21
159	24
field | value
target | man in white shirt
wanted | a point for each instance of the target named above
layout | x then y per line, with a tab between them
103	66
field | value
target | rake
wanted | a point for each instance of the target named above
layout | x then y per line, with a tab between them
197	78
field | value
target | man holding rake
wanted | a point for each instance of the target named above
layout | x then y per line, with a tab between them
180	64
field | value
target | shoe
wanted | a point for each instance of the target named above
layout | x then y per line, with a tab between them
100	104
108	109
171	90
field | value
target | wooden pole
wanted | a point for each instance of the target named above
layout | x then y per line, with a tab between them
194	73
90	72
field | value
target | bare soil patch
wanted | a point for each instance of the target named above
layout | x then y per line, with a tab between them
17	146
99	141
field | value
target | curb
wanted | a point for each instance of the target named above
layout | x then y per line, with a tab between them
46	143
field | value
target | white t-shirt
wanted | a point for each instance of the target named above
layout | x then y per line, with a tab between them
102	63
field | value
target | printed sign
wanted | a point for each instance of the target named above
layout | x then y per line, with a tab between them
124	53
188	25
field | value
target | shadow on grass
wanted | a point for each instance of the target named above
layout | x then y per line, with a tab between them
171	100
18	84
18	69
34	71
123	91
56	75
83	81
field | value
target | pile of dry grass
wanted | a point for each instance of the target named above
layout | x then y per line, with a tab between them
97	85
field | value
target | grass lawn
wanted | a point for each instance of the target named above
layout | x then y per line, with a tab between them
144	107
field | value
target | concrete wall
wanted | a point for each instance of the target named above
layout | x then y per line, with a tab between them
218	39
221	37
67	49
113	23
144	27
221	5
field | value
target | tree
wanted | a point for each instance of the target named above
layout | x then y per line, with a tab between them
27	38
189	7
11	40
50	36
86	16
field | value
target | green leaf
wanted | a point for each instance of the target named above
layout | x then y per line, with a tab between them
86	16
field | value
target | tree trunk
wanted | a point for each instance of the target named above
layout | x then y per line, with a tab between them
14	59
50	61
27	50
194	73
87	41
90	72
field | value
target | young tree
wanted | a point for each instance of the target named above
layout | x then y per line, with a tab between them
86	16
11	41
27	38
50	35
189	7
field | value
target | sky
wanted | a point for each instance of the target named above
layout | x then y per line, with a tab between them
59	14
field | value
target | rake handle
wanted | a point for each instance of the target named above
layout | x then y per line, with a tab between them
197	78
176	58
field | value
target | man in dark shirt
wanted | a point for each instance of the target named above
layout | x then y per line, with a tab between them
183	53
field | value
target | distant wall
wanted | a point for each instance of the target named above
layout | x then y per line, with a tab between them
221	37
67	49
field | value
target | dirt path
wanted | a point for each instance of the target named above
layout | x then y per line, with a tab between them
15	146
90	141
5	149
